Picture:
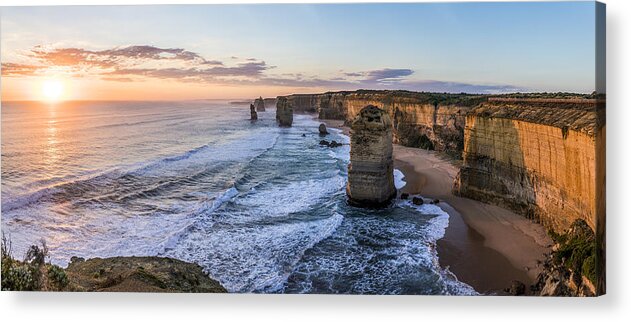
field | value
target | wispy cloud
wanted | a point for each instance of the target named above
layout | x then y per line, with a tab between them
135	63
13	69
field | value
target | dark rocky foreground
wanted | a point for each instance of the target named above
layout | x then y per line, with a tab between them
115	274
139	274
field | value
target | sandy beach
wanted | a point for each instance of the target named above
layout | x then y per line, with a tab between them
485	246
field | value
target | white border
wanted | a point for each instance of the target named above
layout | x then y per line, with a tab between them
203	307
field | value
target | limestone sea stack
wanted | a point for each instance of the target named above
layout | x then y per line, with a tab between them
370	172
284	112
253	115
259	103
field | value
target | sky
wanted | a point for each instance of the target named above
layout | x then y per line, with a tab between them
166	52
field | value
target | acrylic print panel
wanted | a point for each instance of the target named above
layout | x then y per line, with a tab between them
420	148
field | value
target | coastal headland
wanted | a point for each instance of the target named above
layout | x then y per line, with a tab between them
531	165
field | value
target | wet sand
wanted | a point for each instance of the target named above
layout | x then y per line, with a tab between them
485	246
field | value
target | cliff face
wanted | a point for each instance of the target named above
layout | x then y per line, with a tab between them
425	120
537	158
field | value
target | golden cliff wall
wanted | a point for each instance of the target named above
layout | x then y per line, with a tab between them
425	120
537	158
540	157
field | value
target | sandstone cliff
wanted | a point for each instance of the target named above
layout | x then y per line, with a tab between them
425	120
538	159
541	158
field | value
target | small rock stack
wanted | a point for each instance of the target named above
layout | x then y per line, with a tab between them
370	172
253	115
322	129
284	112
259	103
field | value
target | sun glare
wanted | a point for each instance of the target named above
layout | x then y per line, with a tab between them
52	90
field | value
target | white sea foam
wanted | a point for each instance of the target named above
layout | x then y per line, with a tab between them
256	258
280	200
398	179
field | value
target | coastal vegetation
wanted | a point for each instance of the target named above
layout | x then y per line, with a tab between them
32	273
571	268
576	249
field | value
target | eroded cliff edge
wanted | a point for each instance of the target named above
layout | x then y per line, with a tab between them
433	121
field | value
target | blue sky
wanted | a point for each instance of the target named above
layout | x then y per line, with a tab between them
472	47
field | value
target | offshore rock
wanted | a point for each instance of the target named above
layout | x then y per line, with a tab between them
322	129
332	144
370	172
253	115
259	103
284	112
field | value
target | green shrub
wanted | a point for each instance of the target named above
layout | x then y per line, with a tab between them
577	250
33	273
19	278
57	277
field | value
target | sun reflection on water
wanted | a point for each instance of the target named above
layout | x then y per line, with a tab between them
51	150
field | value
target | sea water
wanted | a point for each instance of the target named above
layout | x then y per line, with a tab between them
260	208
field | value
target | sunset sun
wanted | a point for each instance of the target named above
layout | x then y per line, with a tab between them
52	90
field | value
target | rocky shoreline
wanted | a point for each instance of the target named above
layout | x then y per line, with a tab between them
115	274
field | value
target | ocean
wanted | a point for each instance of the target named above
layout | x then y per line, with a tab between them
261	208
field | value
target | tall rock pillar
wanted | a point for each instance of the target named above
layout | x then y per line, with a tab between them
370	172
253	115
284	112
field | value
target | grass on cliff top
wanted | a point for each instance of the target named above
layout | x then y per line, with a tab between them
552	95
462	99
467	99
